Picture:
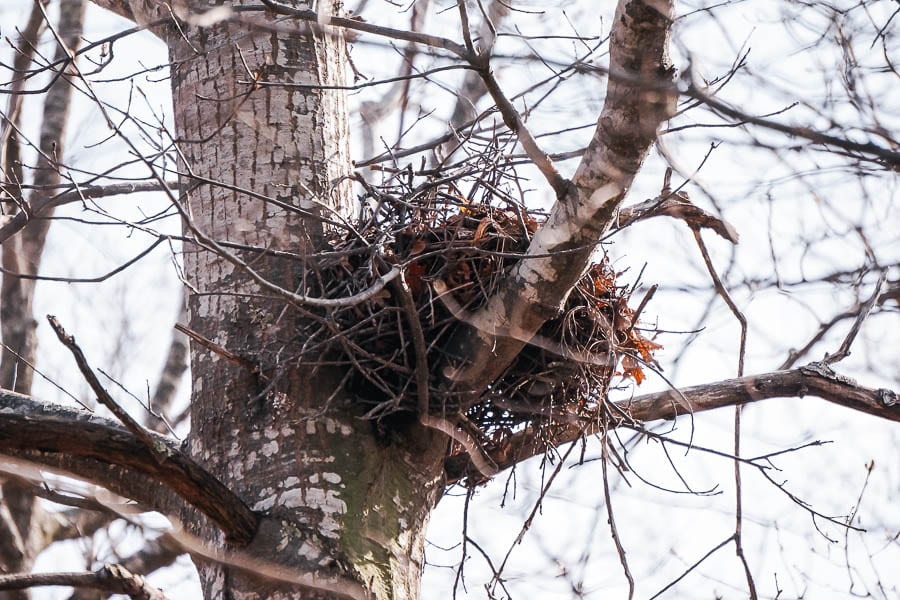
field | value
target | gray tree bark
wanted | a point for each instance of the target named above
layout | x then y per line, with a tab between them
342	513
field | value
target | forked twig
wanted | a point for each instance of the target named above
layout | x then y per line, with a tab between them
159	453
844	351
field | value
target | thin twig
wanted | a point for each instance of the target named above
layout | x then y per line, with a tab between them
360	25
620	549
479	459
890	158
738	496
103	396
671	584
844	351
214	347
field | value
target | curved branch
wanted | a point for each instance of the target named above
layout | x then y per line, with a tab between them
677	206
815	379
86	446
637	102
42	204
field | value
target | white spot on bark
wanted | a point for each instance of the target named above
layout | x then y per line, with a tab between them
234	450
251	460
218	584
291	481
203	306
329	502
292	498
331	477
310	427
271	433
269	449
314	478
264	504
308	551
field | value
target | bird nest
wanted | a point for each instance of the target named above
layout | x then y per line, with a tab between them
454	250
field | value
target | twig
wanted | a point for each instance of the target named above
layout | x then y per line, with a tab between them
620	549
158	453
677	206
532	515
36	206
297	299
359	25
514	122
637	312
844	351
890	158
671	584
214	347
812	380
738	496
420	348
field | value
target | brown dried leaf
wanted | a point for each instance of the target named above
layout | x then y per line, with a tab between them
482	227
417	247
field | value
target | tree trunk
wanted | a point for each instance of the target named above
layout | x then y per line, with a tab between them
341	511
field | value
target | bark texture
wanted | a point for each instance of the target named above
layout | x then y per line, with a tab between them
343	513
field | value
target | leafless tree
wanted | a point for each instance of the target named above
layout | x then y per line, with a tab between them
371	332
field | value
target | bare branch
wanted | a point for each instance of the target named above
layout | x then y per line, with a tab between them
890	158
38	207
102	395
677	206
87	446
359	25
844	351
815	379
111	578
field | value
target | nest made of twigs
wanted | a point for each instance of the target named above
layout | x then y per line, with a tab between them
467	243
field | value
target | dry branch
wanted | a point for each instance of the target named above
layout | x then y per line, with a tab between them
80	442
890	158
114	579
677	206
815	379
42	201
